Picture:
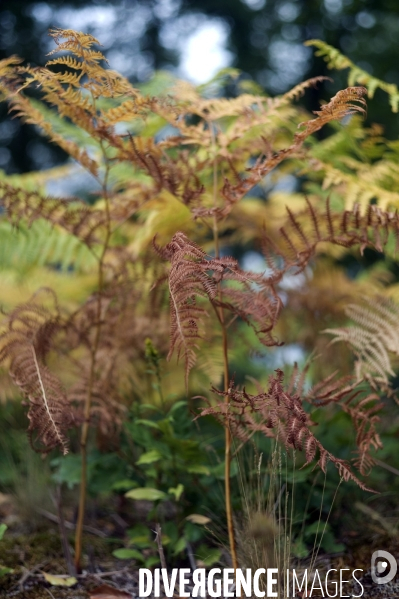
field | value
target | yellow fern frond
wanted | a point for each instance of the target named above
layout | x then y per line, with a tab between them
361	185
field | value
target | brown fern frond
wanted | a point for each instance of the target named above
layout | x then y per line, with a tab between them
249	296
24	344
338	107
257	304
296	92
178	176
9	77
299	238
360	404
188	281
77	218
276	413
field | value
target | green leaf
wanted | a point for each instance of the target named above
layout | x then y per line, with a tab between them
207	555
124	485
193	532
199	469
138	531
166	540
176	491
153	560
330	545
128	554
218	471
142	542
169	529
3	528
68	470
148	423
298	476
4	570
149	457
180	545
146	493
176	406
148	406
299	549
316	528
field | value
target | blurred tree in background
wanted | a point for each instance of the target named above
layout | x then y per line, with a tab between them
262	38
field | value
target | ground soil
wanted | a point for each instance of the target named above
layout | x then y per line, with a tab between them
31	554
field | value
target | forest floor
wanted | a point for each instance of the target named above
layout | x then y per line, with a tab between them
32	555
106	577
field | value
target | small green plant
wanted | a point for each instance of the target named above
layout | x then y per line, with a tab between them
173	470
3	569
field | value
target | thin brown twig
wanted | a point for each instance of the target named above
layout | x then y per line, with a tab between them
63	533
70	525
158	539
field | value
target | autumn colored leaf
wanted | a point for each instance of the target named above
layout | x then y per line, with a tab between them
105	591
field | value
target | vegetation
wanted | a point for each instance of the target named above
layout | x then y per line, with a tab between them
99	288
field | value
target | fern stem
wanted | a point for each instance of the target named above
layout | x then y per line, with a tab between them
89	396
227	462
226	377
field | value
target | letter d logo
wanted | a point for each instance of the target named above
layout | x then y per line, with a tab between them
381	567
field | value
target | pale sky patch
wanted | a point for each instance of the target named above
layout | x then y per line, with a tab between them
204	52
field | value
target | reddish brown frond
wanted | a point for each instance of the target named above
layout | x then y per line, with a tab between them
188	282
256	304
360	404
339	106
77	218
177	175
279	413
298	240
194	275
24	344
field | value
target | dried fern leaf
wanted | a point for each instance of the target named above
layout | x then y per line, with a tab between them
341	105
24	344
373	338
280	414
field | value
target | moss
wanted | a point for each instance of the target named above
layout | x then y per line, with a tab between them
43	550
30	549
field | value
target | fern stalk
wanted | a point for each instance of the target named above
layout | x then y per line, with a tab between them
227	463
89	396
227	442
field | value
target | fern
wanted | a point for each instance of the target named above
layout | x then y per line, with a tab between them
195	275
276	413
336	60
374	337
179	166
24	343
41	245
338	107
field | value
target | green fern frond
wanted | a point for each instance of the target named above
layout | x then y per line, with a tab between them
361	184
42	245
336	60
